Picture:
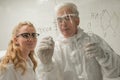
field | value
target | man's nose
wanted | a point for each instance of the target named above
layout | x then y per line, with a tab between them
63	21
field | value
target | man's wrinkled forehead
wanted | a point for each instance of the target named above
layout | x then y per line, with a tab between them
64	11
67	15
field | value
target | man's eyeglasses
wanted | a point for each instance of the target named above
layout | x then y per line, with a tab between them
28	35
66	17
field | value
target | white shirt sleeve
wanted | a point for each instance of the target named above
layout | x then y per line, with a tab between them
110	63
11	74
48	72
8	74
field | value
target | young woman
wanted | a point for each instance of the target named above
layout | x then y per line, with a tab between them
19	62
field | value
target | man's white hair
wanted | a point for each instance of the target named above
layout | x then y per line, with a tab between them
72	6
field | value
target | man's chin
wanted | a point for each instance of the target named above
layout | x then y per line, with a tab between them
31	48
67	35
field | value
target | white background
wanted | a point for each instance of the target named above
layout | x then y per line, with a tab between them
99	16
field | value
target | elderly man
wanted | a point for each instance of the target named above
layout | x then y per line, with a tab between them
76	55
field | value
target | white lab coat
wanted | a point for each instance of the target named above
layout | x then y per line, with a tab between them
68	62
12	74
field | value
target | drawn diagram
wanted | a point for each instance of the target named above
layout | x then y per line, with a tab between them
105	20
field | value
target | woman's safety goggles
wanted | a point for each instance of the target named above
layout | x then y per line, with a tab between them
66	17
28	35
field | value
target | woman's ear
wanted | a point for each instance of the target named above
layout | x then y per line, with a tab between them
15	40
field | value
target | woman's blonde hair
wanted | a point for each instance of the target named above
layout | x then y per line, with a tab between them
13	54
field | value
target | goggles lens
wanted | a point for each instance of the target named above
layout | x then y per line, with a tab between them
28	35
65	17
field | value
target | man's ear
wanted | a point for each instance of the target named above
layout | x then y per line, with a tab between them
77	21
